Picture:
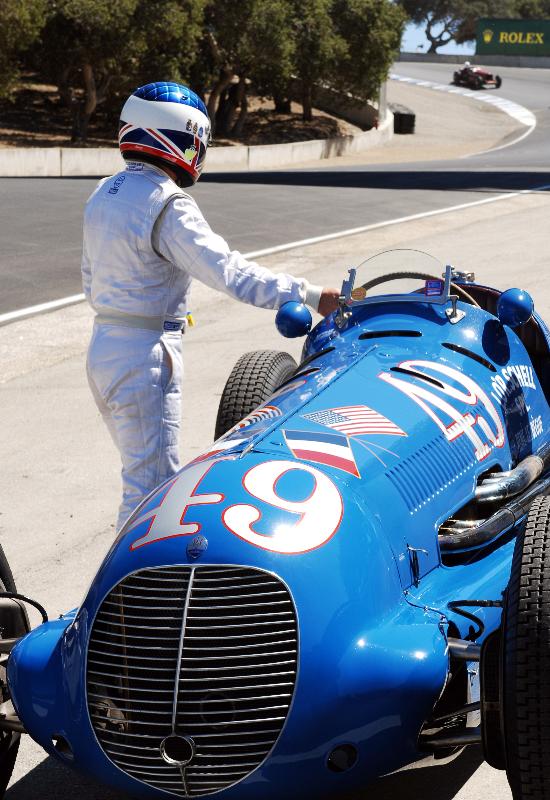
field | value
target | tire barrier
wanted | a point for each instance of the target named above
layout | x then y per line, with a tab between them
404	119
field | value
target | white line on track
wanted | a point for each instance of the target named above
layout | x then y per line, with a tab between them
53	305
22	313
518	139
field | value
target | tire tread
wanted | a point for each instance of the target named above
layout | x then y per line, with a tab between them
253	379
527	659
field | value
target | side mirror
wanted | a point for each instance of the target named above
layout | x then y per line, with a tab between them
515	307
293	319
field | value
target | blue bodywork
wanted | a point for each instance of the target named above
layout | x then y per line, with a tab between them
373	620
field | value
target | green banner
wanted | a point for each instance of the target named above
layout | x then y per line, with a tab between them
513	37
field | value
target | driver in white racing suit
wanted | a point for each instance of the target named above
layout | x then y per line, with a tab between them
144	240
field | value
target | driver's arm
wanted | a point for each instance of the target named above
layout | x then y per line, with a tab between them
182	236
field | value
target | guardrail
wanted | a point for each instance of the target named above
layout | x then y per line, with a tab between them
541	62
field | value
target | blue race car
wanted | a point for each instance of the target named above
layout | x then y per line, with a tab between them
355	575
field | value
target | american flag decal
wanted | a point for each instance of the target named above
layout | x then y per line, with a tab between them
266	412
356	421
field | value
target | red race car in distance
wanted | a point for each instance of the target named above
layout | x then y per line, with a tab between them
476	78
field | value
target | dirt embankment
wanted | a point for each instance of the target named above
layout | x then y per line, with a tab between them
35	117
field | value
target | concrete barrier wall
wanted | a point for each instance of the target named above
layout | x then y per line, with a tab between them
343	105
227	158
90	161
38	162
542	62
56	162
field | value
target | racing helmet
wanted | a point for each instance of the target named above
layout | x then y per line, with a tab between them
166	124
467	64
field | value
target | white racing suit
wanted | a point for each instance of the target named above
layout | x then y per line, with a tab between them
144	240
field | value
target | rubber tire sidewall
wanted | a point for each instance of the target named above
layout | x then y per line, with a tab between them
8	754
526	659
253	380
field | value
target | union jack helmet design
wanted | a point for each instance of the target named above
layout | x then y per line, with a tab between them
166	123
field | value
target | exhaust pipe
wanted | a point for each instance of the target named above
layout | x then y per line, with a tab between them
507	484
500	522
503	485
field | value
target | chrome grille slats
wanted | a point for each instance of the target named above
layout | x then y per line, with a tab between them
206	652
195	679
133	629
237	655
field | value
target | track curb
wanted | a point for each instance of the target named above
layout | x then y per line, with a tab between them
514	110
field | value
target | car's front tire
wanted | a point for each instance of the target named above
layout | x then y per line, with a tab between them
252	381
526	660
9	740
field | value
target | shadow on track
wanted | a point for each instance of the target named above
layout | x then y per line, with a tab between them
466	181
430	179
50	780
430	782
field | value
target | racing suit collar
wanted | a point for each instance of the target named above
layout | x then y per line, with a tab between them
143	166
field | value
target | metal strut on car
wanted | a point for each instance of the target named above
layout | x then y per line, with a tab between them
448	731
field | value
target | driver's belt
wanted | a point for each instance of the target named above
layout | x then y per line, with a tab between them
159	324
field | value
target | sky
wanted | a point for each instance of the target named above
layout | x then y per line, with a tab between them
414	41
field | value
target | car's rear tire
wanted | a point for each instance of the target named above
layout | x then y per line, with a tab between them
252	381
526	660
456	78
9	741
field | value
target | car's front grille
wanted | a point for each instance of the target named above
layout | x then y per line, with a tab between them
208	654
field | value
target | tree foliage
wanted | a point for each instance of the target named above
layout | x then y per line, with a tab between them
532	9
455	20
319	47
250	40
166	36
21	24
81	52
96	51
448	20
95	46
475	9
372	33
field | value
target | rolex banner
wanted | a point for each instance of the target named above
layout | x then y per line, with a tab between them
513	37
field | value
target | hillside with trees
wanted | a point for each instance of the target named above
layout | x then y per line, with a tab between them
90	54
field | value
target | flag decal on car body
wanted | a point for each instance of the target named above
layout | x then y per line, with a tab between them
355	421
219	446
331	449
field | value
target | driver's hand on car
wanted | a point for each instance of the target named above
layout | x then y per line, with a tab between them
329	301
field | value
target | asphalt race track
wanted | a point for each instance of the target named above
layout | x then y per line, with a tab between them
40	227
